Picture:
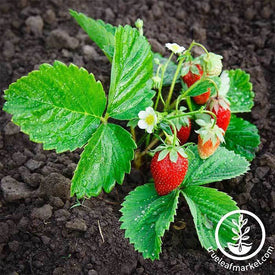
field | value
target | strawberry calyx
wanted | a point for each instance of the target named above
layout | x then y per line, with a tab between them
209	130
173	151
215	102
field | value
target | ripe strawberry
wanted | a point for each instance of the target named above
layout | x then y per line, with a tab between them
207	149
220	107
168	175
183	133
191	78
202	99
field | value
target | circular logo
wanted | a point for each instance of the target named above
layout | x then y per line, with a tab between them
241	247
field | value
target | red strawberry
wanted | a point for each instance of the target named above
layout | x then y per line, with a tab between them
191	78
220	107
168	175
207	149
202	99
184	133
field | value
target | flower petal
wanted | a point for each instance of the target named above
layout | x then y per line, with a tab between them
142	114
149	129
142	124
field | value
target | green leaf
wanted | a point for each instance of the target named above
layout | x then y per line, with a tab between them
240	92
165	127
170	70
207	207
201	86
104	161
146	216
101	33
59	106
223	164
132	69
242	137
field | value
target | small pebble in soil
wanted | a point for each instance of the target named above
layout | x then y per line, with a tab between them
56	185
14	190
11	129
59	39
61	215
42	213
33	164
76	224
35	25
19	158
89	53
50	17
56	202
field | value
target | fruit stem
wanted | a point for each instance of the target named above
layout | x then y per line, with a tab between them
163	69
200	45
152	144
174	134
215	85
173	85
200	111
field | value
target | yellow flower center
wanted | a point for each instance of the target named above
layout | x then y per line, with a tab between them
150	119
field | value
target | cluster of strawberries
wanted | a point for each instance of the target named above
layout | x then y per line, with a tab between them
168	174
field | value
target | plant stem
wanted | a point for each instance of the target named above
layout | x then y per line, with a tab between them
173	85
133	133
188	101
174	134
159	96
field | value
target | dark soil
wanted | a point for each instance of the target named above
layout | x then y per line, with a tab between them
58	239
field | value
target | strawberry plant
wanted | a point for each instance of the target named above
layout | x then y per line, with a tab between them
65	107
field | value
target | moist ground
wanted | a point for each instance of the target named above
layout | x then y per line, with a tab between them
64	240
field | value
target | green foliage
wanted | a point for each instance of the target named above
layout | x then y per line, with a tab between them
132	69
146	216
223	164
170	70
240	92
104	161
202	86
242	137
57	105
101	33
208	206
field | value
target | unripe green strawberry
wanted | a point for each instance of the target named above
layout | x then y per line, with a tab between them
168	175
213	64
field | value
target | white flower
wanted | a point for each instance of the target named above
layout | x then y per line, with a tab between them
148	119
175	48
